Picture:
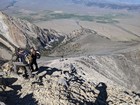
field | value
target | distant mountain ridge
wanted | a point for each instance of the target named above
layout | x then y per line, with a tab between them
109	4
8	5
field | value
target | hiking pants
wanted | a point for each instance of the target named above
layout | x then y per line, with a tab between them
36	66
20	64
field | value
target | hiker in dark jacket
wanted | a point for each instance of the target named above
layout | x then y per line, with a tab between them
34	59
22	62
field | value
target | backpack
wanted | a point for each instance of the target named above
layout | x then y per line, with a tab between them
28	57
38	55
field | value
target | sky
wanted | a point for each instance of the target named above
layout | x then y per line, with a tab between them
116	1
127	1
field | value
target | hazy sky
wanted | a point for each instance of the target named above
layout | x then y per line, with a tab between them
117	1
65	1
126	1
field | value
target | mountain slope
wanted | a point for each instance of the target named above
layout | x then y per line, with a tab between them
115	60
19	33
89	42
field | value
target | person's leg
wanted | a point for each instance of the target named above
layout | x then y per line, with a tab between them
15	67
36	65
28	71
17	64
31	65
25	73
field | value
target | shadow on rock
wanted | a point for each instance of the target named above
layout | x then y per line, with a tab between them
28	100
42	72
102	96
13	98
2	61
49	71
9	81
12	95
138	94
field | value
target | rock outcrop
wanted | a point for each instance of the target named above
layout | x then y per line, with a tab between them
20	33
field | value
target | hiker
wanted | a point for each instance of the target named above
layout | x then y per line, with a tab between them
34	55
23	60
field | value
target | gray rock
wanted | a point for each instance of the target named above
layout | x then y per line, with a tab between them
42	73
73	69
124	104
63	82
2	103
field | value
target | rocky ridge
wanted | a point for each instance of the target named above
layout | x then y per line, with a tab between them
66	84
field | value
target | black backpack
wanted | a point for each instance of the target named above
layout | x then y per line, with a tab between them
38	55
